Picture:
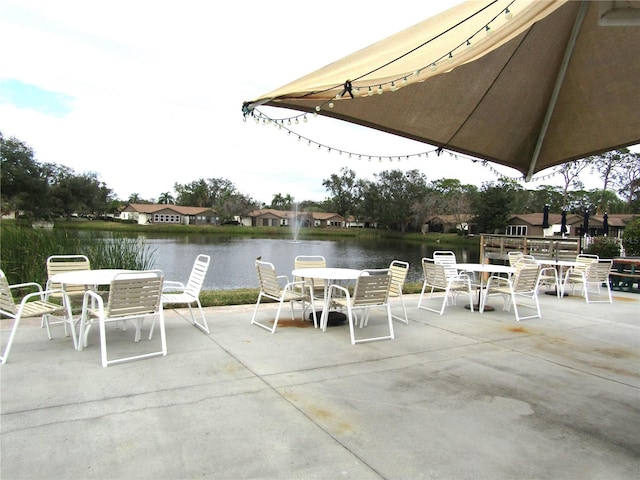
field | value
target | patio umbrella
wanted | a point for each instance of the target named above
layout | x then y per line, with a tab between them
545	217
523	83
585	223
563	224
605	224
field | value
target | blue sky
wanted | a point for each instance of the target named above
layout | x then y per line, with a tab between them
32	97
149	93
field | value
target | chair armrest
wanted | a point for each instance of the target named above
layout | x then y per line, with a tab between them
40	293
170	285
290	285
27	284
335	286
499	279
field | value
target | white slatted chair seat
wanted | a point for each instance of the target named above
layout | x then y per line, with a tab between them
31	305
132	297
370	292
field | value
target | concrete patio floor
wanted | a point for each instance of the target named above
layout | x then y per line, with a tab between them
457	396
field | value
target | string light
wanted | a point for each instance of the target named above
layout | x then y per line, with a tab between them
353	91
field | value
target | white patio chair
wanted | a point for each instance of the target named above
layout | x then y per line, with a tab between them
594	274
60	264
312	261
371	291
133	296
31	305
399	271
522	285
436	279
270	287
177	293
447	259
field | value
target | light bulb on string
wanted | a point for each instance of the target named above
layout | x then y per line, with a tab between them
379	90
507	14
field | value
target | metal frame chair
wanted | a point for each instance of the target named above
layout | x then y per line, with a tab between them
317	285
132	296
270	287
399	271
177	293
371	291
522	285
594	274
31	305
61	264
435	278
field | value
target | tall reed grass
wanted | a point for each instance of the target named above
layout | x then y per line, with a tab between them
24	251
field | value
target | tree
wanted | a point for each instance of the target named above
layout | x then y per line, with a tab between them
280	202
23	183
493	208
570	172
609	165
135	198
399	192
627	180
166	198
454	198
346	191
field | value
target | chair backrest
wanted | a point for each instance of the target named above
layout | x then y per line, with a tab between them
135	293
66	263
198	272
310	261
7	302
526	277
599	271
399	271
584	261
372	287
268	278
447	259
434	273
513	257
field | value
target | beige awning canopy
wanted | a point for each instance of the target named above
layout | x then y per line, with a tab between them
522	83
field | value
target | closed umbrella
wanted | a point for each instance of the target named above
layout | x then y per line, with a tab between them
585	224
563	225
605	224
545	217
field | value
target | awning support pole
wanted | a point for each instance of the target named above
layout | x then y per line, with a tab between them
577	25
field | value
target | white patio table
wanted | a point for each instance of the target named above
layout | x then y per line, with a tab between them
483	268
329	275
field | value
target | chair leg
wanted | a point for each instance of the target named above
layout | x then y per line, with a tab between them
5	356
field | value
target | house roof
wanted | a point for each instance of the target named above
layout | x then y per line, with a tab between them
158	207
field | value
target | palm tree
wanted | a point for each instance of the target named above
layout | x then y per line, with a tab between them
166	198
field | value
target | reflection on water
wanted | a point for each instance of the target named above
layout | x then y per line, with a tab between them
232	259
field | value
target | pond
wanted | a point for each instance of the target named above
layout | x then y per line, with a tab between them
232	259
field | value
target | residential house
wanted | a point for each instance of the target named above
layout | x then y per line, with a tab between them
268	217
447	223
151	213
530	224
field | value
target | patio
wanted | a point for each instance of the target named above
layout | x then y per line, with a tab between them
461	395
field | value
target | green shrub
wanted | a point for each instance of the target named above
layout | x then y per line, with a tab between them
631	238
604	247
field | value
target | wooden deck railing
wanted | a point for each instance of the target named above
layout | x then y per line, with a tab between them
496	247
